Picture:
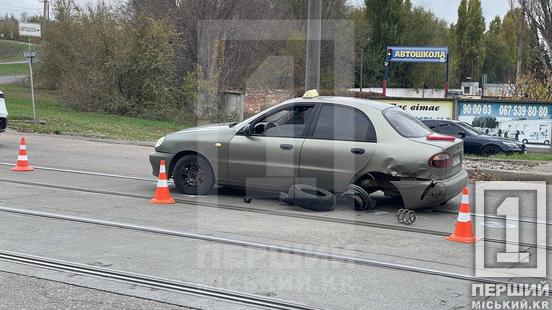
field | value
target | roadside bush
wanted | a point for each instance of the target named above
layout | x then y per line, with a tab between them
530	87
107	60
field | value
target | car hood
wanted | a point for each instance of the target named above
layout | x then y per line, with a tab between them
197	138
205	128
496	139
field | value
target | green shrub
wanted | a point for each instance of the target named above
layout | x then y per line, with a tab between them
102	60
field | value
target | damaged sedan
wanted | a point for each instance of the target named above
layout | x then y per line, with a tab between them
327	142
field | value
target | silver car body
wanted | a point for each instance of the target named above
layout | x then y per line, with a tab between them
392	163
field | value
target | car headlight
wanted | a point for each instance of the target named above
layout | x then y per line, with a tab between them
512	145
159	142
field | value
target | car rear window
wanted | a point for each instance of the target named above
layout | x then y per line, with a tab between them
405	124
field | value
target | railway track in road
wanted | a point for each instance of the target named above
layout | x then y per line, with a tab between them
495	217
109	175
154	282
306	216
256	245
489	216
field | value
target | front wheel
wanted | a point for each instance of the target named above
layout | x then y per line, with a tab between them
525	141
547	142
193	175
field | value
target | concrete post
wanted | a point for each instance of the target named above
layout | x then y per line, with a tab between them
314	35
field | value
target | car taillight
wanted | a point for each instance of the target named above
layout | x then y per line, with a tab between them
442	160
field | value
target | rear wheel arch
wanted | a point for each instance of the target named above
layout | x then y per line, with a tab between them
374	181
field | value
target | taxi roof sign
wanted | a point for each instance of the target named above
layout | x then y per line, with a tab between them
309	94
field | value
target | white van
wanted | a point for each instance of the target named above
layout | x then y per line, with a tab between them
3	113
540	137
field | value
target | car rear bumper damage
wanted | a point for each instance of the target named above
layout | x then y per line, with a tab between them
156	157
431	193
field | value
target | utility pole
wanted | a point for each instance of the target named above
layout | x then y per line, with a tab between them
361	69
473	61
314	36
519	53
46	14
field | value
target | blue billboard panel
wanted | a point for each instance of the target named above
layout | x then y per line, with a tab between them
417	54
530	123
505	110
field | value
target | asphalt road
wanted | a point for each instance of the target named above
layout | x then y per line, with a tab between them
310	280
24	292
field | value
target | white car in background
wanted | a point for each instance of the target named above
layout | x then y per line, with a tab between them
535	137
3	113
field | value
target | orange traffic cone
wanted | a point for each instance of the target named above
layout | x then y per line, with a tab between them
464	230
22	160
162	194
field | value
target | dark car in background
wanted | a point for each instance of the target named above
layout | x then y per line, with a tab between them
475	142
3	113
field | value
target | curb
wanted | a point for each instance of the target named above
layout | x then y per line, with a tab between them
85	138
519	161
509	175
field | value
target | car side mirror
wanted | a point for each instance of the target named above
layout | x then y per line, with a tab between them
247	130
462	134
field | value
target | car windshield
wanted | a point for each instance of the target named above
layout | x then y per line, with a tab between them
469	129
405	124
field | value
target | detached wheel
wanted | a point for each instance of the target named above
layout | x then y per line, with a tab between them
193	175
312	198
490	150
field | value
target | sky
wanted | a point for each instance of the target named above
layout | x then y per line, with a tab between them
448	9
34	7
445	9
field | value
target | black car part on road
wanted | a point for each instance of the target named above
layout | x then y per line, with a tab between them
360	198
309	197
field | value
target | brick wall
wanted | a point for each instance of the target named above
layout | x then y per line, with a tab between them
257	100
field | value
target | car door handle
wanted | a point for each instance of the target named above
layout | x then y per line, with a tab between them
286	147
358	151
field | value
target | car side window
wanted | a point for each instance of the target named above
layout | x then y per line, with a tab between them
343	123
448	129
432	125
288	122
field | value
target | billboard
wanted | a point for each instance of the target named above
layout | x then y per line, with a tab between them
530	123
424	109
421	54
417	54
30	30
